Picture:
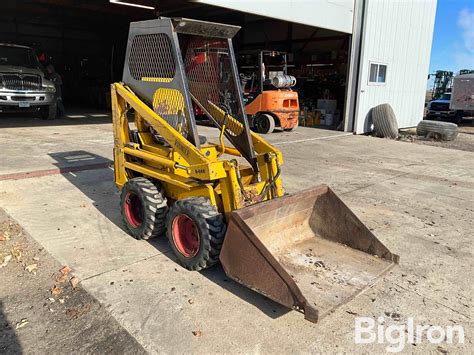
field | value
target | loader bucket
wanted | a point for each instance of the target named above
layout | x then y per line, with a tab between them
307	251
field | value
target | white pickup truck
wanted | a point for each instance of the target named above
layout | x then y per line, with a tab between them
23	85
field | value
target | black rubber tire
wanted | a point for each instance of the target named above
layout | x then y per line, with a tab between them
49	112
459	117
385	122
444	130
210	227
264	123
153	206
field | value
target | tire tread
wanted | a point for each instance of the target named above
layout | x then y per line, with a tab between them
385	121
155	210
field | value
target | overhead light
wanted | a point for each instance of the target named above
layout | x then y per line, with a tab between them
118	2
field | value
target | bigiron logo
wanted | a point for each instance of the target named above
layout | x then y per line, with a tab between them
369	331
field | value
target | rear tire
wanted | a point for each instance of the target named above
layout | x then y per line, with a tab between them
143	208
195	231
264	123
49	112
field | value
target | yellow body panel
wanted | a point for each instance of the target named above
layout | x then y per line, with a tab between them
181	168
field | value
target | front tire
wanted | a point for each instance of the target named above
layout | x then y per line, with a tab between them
49	112
264	123
143	208
195	231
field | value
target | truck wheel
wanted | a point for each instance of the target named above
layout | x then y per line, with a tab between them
459	117
443	130
49	112
385	122
264	123
143	208
195	230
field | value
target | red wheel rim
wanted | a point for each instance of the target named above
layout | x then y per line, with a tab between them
185	235
133	209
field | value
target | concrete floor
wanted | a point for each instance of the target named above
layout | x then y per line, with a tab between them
418	200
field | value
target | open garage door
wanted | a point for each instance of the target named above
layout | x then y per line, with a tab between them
336	15
86	40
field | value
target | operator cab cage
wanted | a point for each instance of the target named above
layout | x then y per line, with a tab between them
172	62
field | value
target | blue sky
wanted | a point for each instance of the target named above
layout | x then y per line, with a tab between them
453	38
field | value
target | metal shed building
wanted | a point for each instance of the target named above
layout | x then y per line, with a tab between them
389	51
380	49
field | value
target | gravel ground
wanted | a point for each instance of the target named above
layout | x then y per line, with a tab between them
40	311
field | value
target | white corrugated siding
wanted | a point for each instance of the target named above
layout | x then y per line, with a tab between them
397	33
334	15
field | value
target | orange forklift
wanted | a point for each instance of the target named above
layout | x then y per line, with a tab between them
269	100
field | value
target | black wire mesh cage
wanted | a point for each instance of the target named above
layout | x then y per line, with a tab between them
176	65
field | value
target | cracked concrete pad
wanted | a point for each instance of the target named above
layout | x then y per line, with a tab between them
417	199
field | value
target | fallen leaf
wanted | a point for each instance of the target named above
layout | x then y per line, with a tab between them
5	236
74	281
65	270
62	279
197	333
32	268
16	252
61	300
6	259
56	290
22	323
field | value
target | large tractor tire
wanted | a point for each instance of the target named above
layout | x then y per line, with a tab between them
195	230
264	123
446	131
385	122
144	208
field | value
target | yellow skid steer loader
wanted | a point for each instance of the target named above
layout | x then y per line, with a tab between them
225	201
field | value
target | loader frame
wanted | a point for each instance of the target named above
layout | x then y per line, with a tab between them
306	251
183	169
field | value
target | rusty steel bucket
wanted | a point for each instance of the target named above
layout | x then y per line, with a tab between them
307	251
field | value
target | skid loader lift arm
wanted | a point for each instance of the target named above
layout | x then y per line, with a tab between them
182	165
